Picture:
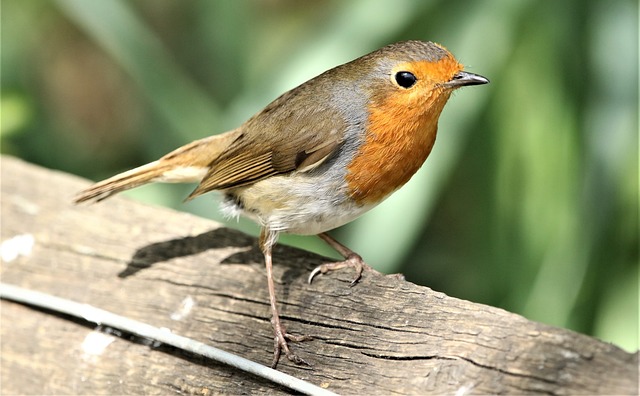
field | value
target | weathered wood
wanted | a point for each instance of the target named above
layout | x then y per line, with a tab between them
383	336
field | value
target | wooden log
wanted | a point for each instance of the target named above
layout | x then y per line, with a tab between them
205	281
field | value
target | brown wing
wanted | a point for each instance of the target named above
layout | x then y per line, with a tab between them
285	137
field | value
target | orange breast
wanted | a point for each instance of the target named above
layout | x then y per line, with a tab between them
400	135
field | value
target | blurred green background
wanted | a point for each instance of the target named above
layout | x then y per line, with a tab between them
529	200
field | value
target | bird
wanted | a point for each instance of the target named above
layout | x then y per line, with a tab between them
319	155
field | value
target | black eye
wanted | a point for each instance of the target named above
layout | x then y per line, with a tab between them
405	79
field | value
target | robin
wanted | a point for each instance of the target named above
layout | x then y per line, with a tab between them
320	155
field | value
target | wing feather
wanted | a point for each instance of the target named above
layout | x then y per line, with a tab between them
277	141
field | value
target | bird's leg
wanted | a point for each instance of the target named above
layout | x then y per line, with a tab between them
267	240
351	259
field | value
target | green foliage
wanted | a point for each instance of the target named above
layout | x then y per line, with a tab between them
529	200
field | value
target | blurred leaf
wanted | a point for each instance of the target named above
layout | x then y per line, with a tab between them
15	114
117	29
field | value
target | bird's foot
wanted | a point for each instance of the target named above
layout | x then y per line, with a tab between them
353	260
280	345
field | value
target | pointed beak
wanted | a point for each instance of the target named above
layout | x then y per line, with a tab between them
463	78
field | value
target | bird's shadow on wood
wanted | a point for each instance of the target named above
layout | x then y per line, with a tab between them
218	238
298	262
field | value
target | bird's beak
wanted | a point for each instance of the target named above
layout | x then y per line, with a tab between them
463	78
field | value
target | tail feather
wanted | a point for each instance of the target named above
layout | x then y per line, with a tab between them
187	164
123	181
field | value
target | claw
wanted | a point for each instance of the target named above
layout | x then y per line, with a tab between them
277	351
297	360
313	273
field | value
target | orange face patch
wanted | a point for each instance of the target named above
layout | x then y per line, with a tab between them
401	131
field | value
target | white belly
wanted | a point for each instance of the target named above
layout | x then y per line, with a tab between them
308	209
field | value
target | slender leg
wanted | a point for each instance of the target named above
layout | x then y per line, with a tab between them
267	240
351	259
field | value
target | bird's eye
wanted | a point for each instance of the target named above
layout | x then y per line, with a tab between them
405	79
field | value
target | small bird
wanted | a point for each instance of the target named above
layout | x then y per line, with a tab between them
320	155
